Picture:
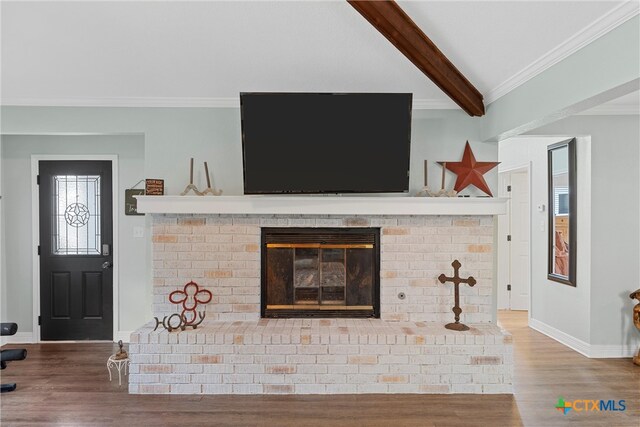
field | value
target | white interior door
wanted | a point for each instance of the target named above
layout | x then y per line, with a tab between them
519	248
503	246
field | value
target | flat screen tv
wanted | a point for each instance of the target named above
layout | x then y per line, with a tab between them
325	142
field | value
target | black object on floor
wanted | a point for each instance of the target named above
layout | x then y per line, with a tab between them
10	355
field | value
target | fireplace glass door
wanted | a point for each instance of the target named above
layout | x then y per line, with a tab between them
320	273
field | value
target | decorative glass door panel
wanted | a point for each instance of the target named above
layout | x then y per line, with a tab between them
332	277
306	277
76	222
320	272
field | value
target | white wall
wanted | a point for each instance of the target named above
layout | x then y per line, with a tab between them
134	297
556	305
170	137
615	228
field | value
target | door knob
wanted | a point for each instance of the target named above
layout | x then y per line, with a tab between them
106	265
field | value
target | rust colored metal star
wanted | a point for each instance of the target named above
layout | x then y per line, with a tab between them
470	171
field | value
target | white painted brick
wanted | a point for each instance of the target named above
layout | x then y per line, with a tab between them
217	368
238	378
466	388
497	388
331	359
373	388
312	349
312	369
331	378
206	378
310	388
301	358
187	368
247	389
218	388
175	358
404	369
273	359
342	369
410	264
249	369
341	388
373	369
186	388
300	378
404	388
343	349
269	378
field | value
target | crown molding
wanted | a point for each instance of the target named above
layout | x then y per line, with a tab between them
156	102
611	110
166	102
598	28
434	104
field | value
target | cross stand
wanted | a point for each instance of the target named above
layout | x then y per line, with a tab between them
456	279
191	187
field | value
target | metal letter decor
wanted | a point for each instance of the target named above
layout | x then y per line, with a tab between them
189	297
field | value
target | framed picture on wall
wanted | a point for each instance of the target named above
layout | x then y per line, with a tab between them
130	202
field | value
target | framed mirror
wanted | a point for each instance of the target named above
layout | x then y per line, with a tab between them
562	212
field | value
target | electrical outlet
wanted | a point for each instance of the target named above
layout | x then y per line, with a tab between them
138	232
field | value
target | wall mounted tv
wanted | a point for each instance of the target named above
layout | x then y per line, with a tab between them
326	142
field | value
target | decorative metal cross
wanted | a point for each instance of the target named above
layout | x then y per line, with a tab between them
456	279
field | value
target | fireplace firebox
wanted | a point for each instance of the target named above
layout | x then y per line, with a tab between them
320	272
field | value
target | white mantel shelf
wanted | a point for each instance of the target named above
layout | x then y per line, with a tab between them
321	205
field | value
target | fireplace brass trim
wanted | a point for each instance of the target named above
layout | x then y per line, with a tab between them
319	307
319	245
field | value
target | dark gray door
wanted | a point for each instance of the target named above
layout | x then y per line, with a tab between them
76	240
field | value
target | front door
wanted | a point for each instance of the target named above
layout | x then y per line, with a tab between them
76	242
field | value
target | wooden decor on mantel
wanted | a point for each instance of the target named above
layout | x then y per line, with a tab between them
210	190
393	23
191	186
427	192
456	280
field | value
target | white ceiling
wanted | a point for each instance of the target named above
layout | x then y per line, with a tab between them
73	52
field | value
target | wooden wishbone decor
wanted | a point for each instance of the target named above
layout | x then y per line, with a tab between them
390	20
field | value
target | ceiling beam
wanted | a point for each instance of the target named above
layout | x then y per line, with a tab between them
390	20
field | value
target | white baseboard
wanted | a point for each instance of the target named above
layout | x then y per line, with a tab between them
612	351
18	338
563	338
586	349
122	335
27	338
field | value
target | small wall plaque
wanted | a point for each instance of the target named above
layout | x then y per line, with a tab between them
130	202
154	187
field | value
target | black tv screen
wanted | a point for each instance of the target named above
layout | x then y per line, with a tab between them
326	142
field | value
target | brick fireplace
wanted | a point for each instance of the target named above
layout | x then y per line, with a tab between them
240	349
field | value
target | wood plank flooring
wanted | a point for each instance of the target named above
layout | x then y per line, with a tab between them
67	384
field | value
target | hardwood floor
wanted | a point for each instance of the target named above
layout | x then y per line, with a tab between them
67	384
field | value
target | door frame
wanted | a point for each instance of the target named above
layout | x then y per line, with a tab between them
503	247
35	232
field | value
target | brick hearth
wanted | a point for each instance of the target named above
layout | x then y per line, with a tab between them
321	356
